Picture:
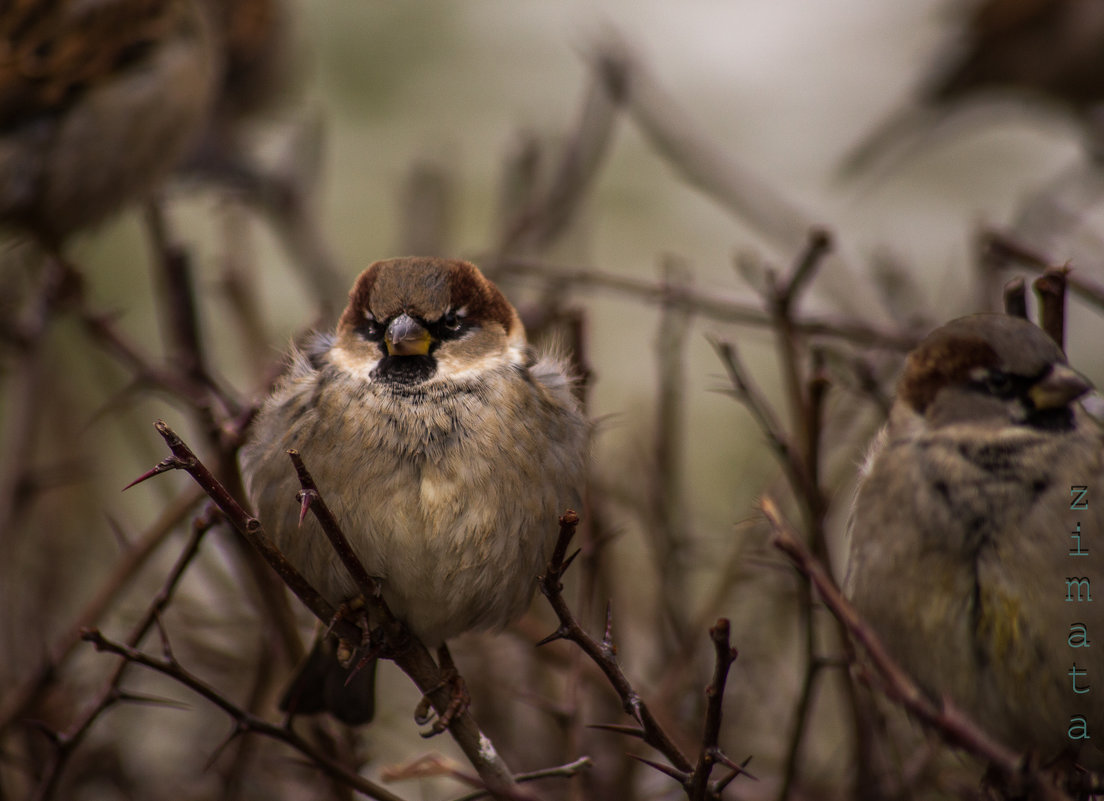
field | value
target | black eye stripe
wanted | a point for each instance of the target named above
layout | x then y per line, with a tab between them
370	329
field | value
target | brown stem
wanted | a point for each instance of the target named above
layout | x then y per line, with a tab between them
244	722
715	304
602	653
1015	298
724	656
18	700
1051	289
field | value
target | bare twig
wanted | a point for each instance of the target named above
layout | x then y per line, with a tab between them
66	743
181	314
670	534
725	655
1002	248
311	499
716	304
719	173
551	212
285	194
1015	298
1051	289
183	458
560	771
602	653
426	203
23	412
243	721
18	700
748	393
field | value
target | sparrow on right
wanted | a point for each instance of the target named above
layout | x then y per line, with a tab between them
969	540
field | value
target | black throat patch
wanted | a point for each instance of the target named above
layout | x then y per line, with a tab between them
405	370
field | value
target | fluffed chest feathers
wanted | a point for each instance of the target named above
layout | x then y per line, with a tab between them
434	486
426	423
975	487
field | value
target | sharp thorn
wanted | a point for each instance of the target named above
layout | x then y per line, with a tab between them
674	773
567	562
558	634
617	728
164	466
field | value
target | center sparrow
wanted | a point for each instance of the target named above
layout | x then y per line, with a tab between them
962	530
444	446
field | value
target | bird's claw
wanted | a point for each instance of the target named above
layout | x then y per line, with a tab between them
458	704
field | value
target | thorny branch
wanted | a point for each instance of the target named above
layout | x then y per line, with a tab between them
725	655
693	778
243	721
66	743
412	657
800	454
17	701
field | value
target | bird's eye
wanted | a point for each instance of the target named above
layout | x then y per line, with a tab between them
451	320
999	383
370	329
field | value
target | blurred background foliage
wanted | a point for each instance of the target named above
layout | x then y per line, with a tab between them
453	104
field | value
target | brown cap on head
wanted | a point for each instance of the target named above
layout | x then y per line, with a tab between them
951	354
427	288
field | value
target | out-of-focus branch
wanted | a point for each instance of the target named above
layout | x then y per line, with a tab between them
550	212
670	529
704	163
716	304
57	285
745	390
284	193
1015	298
18	700
244	722
1050	287
426	203
1001	249
66	743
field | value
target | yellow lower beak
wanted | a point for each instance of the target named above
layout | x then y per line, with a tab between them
1060	387
407	337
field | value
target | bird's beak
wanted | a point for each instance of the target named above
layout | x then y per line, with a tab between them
407	337
1061	386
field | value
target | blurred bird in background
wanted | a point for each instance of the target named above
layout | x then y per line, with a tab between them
1048	52
98	103
101	101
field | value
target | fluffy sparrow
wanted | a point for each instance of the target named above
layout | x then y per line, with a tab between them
962	532
444	445
98	102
